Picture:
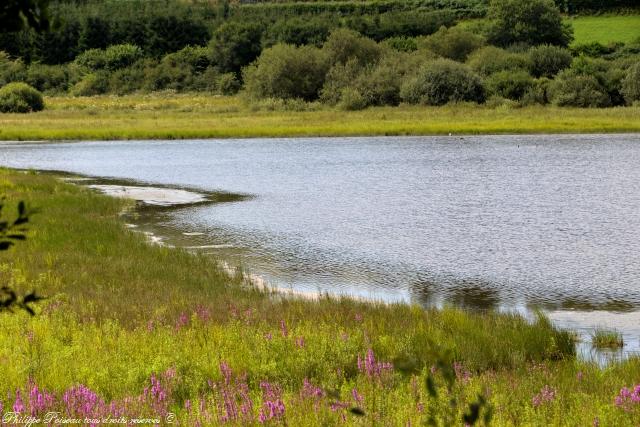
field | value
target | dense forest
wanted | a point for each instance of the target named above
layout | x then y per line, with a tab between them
348	53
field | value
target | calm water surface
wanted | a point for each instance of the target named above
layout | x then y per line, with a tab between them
507	222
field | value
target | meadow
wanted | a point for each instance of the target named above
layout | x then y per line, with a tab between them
179	116
605	29
135	330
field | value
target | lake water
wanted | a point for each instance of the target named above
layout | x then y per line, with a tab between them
505	222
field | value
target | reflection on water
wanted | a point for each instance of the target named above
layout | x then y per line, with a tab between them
500	222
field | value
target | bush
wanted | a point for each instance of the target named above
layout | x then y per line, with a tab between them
490	59
91	60
532	22
235	45
92	84
228	84
298	31
402	44
631	84
121	56
343	45
547	60
339	77
130	79
443	81
195	58
351	99
112	58
453	43
286	71
575	90
19	97
509	84
11	71
47	78
538	93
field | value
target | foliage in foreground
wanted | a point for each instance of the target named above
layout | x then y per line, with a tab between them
159	331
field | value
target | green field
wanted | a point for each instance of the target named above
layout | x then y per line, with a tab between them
135	330
158	116
606	29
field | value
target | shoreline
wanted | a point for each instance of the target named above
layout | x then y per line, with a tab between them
198	116
564	319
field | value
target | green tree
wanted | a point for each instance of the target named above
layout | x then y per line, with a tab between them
235	45
16	15
531	22
286	71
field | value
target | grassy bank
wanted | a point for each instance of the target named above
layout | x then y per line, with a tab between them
134	330
162	116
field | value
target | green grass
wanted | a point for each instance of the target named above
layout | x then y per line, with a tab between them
121	312
199	116
606	29
606	339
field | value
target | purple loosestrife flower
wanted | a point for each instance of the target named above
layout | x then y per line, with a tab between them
461	373
547	394
357	397
283	329
300	342
39	401
372	368
272	404
338	406
268	336
80	401
310	391
628	399
182	321
203	313
226	372
18	405
358	317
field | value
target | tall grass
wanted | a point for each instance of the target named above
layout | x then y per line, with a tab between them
145	330
200	116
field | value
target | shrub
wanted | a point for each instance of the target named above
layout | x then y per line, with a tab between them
339	77
538	93
343	45
631	84
608	76
196	58
443	81
11	71
575	90
402	44
47	78
453	43
121	56
92	84
130	79
547	60
286	71
91	60
351	99
298	31
235	45
509	84
228	84
532	22
491	59
19	97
